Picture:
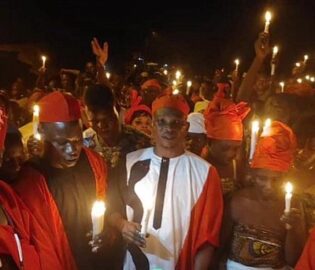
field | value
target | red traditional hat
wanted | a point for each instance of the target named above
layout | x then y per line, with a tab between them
59	107
153	83
3	126
275	151
137	108
171	101
223	119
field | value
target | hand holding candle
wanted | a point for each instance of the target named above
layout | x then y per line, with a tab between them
97	215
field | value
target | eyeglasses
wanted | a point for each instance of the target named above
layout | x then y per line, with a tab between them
176	124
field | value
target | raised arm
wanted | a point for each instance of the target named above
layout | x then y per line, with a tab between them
262	49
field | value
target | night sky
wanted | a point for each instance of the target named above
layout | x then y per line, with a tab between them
200	36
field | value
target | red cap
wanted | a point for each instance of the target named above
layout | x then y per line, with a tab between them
153	83
223	119
176	102
137	108
59	107
3	126
276	150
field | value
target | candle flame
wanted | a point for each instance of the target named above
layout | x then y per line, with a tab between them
288	187
37	136
298	64
98	209
108	75
237	61
299	80
307	77
176	92
174	82
36	110
275	50
178	74
268	16
165	71
312	79
267	123
281	84
305	57
255	126
44	58
189	83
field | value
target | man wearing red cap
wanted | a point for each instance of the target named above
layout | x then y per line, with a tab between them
224	126
150	89
60	187
257	233
175	195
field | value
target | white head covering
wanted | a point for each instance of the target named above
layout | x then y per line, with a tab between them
197	123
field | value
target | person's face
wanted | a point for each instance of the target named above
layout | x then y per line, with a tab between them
268	182
277	110
63	143
149	95
13	159
305	159
170	129
143	123
196	142
105	123
224	151
66	82
90	68
261	85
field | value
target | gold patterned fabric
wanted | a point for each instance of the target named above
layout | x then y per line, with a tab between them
256	247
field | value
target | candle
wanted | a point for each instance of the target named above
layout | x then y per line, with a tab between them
189	84
266	129
174	83
36	110
307	77
312	79
178	74
165	72
305	58
237	62
97	215
267	21
282	86
107	75
254	136
299	80
176	92
275	51
44	61
274	54
288	197
297	64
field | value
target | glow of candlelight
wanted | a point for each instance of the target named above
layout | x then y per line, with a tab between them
107	74
254	135
307	77
267	21
297	64
44	60
312	79
288	196
174	82
97	215
275	51
165	72
299	80
178	74
305	58
237	62
282	86
176	92
36	110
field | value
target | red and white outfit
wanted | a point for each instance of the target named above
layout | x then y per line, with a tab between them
192	209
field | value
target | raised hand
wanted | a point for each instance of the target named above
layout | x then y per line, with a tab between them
131	233
262	47
101	53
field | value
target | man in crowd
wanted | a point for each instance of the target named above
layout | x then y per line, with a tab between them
174	194
60	187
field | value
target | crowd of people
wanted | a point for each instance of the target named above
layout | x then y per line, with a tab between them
184	183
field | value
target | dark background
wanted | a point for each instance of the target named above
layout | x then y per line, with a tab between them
200	35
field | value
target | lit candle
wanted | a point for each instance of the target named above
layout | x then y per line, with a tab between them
312	79
254	136
165	72
299	80
282	86
266	129
44	61
107	75
305	58
273	64
176	92
36	110
275	51
307	77
297	64
97	215
178	74
288	197
267	21
237	63
189	84
174	83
